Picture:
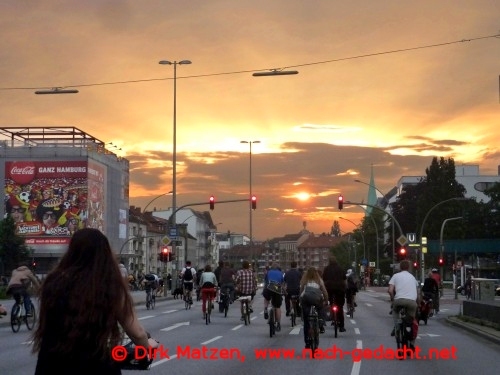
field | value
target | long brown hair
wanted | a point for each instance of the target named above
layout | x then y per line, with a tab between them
311	275
89	295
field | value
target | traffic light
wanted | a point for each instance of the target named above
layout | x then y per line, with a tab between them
212	202
441	261
402	253
254	202
415	265
341	202
164	255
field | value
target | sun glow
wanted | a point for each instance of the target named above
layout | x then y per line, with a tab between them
303	196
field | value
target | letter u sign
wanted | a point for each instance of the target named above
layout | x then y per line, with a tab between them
412	237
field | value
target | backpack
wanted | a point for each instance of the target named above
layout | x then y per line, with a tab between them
188	275
311	295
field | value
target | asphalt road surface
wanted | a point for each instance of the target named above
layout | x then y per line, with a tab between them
188	345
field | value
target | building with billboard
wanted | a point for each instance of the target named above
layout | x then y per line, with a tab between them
57	180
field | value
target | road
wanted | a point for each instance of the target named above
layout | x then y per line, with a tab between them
184	333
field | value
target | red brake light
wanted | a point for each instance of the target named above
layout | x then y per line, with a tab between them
334	308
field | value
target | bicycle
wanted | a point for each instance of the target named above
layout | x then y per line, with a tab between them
187	299
150	299
209	307
18	315
224	303
335	321
402	329
271	320
314	329
293	309
245	308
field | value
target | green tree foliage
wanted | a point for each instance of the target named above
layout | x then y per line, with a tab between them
12	247
415	201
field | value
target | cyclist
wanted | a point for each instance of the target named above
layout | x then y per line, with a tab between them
18	286
150	284
352	289
188	276
246	284
403	289
334	278
292	280
217	275
227	275
312	292
208	283
436	276
272	292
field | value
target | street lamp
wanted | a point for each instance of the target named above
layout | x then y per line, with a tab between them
155	198
362	235
174	140
250	197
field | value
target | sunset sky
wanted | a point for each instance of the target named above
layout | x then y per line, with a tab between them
385	83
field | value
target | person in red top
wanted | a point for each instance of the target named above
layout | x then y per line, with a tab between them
436	276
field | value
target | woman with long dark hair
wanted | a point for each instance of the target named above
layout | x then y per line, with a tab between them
84	304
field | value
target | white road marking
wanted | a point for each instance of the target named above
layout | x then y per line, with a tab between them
237	327
175	326
296	330
163	360
169	311
356	331
211	340
146	317
356	366
368	304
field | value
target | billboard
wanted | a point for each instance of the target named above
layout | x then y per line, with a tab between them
50	200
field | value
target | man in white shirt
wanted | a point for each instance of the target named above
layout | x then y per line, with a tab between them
403	289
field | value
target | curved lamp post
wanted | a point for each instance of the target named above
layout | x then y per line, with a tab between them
422	229
362	235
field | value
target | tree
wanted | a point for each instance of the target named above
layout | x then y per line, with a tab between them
12	247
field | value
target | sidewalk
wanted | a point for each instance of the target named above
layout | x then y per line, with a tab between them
138	296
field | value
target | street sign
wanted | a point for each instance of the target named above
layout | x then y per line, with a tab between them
165	240
402	240
173	232
424	249
423	240
412	237
372	264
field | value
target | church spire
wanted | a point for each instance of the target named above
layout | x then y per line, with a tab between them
372	193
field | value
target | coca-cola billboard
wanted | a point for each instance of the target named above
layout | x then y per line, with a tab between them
21	172
49	199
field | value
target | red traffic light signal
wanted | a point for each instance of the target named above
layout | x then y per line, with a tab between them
441	261
254	202
212	202
402	253
165	250
341	202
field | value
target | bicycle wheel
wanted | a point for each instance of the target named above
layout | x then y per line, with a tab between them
226	304
15	319
208	311
271	323
246	310
315	341
292	316
335	321
30	320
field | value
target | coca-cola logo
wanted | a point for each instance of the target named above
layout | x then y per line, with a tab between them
22	172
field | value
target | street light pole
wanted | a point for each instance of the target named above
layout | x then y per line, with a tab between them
174	140
393	230
362	235
250	198
155	198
